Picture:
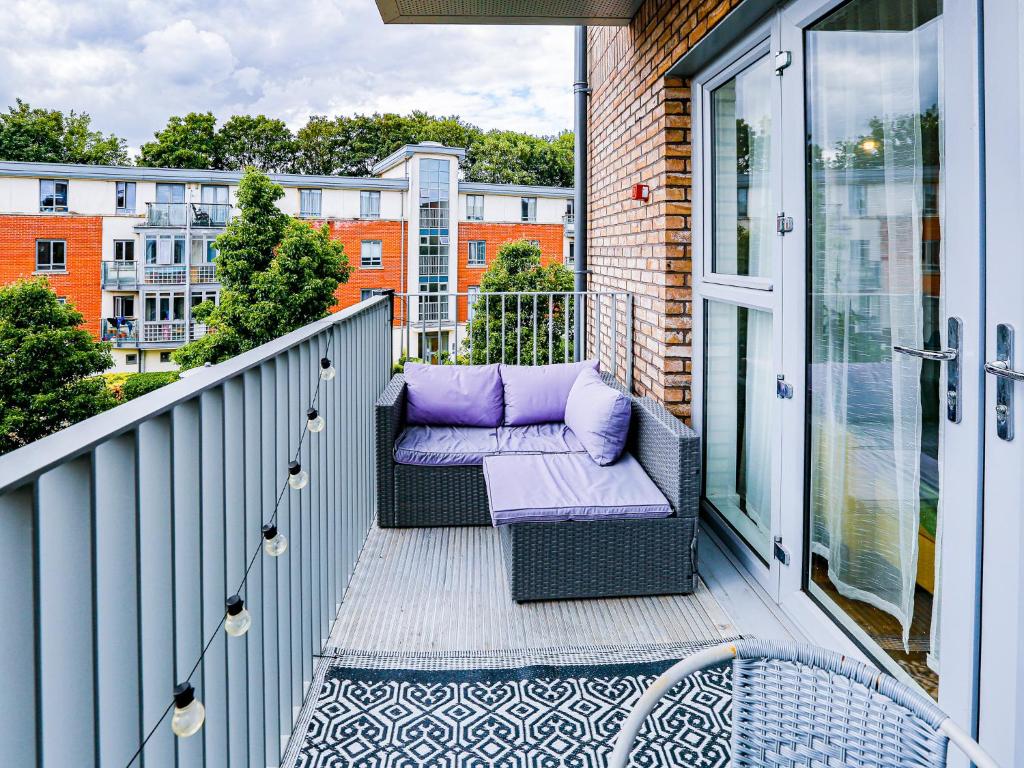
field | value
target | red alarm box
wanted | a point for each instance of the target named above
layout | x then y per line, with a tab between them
642	192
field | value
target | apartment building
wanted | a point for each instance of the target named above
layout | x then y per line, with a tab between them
133	248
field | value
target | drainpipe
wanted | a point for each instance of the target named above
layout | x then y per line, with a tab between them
580	93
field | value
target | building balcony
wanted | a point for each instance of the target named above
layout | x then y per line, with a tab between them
120	275
164	274
203	273
119	331
163	332
196	215
569	225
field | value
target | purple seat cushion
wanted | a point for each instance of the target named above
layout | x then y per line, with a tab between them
599	416
454	395
436	446
535	394
550	488
538	438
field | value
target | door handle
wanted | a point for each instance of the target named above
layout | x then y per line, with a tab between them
951	356
1002	368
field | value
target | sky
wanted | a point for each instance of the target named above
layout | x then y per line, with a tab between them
132	63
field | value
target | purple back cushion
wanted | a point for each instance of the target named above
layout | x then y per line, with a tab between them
599	417
453	395
536	394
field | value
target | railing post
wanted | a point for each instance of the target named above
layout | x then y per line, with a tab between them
629	342
390	293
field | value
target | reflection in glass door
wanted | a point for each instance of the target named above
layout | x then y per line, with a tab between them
873	80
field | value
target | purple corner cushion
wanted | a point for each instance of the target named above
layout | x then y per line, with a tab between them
599	417
536	394
454	395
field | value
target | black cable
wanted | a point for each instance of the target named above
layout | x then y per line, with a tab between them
314	401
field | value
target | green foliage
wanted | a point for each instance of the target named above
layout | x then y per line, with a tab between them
277	274
139	384
48	365
50	136
186	142
518	269
258	142
507	157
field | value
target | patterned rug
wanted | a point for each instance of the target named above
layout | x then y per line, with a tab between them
549	709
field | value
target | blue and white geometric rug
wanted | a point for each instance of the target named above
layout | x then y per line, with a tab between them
531	709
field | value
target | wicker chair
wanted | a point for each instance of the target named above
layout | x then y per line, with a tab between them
797	705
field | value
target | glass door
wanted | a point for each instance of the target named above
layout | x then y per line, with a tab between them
738	290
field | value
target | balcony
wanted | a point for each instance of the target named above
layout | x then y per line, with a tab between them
119	331
164	274
195	215
134	565
163	332
203	273
120	275
569	225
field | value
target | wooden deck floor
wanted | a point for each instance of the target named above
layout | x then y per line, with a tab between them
444	589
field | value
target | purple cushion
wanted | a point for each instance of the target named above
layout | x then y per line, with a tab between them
538	438
445	446
535	394
599	417
532	488
454	395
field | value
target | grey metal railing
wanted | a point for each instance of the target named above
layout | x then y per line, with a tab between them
121	537
197	214
119	330
120	275
523	328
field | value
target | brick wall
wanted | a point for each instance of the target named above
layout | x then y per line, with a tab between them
640	132
351	233
83	236
550	237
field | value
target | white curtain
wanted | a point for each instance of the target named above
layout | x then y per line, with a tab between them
866	401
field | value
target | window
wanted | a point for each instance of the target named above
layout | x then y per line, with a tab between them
165	357
170	193
474	207
571	258
132	358
124	306
858	199
165	249
62	299
198	297
529	209
125	201
124	250
51	256
310	202
169	208
369	205
366	293
370	254
478	253
203	250
473	294
53	195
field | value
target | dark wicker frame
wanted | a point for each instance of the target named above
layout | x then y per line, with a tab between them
560	560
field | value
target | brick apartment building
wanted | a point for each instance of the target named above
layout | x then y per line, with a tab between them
132	248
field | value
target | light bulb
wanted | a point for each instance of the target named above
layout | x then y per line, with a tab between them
237	621
274	543
326	369
297	476
314	421
189	712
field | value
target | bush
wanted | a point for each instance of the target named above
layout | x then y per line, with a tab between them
139	384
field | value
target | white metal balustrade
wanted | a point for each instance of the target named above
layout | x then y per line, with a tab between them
123	535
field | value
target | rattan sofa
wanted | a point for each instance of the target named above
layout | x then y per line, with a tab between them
562	559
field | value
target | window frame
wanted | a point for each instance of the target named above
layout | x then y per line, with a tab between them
476	247
122	189
528	209
64	255
307	214
123	243
471	215
371	211
363	263
54	208
120	299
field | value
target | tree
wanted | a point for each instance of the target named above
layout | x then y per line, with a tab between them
518	269
50	136
258	142
508	157
46	360
277	274
186	142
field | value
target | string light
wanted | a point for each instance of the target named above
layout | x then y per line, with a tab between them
189	712
274	543
326	369
297	476
237	619
314	421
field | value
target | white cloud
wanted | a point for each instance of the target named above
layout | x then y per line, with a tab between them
132	64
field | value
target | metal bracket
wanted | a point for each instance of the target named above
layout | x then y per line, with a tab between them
783	389
783	223
783	59
954	403
780	552
1002	368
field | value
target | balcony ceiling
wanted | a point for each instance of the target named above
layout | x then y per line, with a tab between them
596	12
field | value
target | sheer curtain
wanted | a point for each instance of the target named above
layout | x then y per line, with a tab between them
867	283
